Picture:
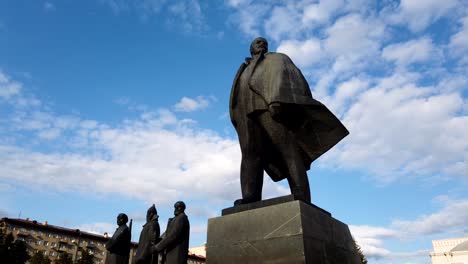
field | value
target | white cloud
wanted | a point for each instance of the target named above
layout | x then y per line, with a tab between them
352	44
188	14
322	11
8	88
459	42
449	221
420	14
346	93
249	16
413	51
303	53
187	104
236	3
453	83
289	19
282	22
49	134
399	129
354	36
98	228
156	157
141	159
453	217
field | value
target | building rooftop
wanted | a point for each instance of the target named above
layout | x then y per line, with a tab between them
46	227
461	247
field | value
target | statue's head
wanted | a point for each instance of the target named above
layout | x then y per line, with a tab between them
122	219
258	45
179	207
151	213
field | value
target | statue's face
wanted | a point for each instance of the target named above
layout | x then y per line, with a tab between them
259	45
178	209
149	215
121	220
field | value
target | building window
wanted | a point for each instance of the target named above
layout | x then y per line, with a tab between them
11	228
39	233
46	243
33	232
51	253
38	242
54	244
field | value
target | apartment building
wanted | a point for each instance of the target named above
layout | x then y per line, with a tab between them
53	240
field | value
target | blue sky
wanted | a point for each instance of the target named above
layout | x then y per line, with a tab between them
108	106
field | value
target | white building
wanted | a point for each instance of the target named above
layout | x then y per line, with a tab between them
450	251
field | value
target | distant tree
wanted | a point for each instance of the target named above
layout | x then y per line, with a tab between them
86	258
64	258
12	251
39	258
19	252
9	238
3	247
2	235
359	251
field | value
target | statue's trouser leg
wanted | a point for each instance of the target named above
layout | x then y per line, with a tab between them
284	142
250	138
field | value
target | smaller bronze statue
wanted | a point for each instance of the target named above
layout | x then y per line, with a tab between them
148	237
175	242
118	246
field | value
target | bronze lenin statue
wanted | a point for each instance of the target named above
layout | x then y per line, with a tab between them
281	127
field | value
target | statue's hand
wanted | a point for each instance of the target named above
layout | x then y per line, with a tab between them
153	248
275	111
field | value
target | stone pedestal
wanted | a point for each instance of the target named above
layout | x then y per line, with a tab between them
286	232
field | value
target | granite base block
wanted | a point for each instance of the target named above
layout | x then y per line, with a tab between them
290	232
